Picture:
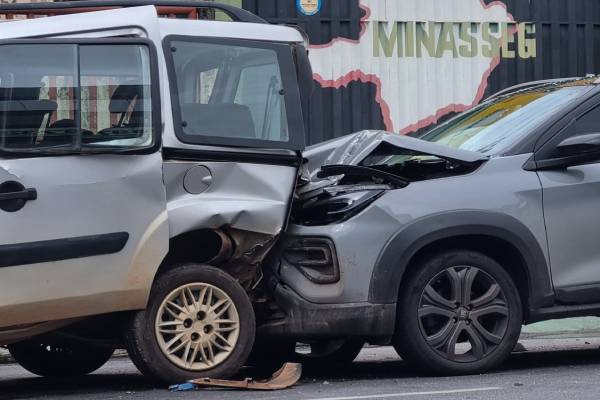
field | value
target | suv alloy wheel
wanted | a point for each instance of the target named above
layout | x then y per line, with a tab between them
458	313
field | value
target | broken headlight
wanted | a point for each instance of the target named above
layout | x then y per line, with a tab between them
337	204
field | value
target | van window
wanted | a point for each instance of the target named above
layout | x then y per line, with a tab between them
235	92
80	98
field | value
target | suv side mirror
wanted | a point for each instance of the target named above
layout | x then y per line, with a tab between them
576	150
580	144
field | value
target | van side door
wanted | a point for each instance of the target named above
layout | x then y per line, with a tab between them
82	199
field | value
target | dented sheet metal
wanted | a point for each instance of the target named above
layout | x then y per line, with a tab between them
352	149
285	378
248	197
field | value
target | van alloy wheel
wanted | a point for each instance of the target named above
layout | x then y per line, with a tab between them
199	323
463	314
197	326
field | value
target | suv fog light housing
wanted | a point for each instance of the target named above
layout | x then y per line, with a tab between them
315	258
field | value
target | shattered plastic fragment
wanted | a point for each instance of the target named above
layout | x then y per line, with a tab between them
285	378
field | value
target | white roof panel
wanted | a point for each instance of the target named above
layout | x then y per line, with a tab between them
143	17
219	29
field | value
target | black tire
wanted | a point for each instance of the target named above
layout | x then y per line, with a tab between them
331	352
270	355
324	353
427	326
65	359
141	337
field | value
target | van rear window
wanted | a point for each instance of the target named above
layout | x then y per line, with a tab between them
235	92
75	97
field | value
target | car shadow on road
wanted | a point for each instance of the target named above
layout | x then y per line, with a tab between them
131	382
27	388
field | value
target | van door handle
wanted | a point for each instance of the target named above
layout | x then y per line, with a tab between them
25	194
13	196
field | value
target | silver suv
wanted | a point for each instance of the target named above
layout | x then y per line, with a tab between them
445	245
136	151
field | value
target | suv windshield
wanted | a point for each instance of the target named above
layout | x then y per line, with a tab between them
234	92
498	123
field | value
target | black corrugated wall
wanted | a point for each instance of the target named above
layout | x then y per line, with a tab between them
568	44
333	112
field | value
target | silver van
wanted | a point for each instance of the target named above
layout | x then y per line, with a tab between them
134	152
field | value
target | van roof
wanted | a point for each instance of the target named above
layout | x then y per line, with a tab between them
262	32
166	8
145	18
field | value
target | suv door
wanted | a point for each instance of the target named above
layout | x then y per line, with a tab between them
571	203
82	201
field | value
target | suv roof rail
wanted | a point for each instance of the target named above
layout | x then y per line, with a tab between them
188	8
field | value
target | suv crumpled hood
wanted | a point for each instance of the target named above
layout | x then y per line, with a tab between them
352	149
336	184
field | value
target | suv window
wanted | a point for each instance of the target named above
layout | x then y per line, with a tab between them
588	122
75	97
234	92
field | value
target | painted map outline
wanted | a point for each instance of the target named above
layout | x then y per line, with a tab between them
358	75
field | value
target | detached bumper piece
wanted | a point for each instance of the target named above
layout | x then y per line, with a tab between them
285	378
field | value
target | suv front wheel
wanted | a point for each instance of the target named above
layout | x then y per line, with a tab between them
459	312
199	323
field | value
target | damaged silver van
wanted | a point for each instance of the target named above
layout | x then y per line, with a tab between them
147	165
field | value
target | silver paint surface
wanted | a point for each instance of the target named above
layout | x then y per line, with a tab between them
251	197
103	194
499	185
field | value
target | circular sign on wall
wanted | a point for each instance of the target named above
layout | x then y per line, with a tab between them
309	7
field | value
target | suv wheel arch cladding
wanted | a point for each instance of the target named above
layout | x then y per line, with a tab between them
399	252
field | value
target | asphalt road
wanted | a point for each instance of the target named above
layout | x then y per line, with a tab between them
550	369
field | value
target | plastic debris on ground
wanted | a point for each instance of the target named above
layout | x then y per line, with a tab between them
285	378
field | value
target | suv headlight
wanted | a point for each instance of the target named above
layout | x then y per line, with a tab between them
337	204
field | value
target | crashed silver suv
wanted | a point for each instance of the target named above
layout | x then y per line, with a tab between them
146	167
444	245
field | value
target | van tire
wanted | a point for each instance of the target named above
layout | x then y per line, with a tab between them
325	353
147	343
59	360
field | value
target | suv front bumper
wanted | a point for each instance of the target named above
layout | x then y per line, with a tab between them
306	320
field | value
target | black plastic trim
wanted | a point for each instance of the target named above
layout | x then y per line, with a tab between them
61	249
564	311
292	160
237	14
360	171
579	294
154	87
400	249
312	271
293	104
306	320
